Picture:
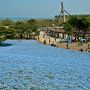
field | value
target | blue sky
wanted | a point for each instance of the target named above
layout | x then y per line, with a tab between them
41	8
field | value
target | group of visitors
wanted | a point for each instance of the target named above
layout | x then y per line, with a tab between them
54	42
87	49
50	42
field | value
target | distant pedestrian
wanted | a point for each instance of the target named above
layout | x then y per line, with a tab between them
38	37
86	50
44	41
49	41
55	38
81	50
67	46
88	46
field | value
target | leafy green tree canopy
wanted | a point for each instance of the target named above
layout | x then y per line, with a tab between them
7	22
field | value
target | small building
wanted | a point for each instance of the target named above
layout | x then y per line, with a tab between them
59	32
56	32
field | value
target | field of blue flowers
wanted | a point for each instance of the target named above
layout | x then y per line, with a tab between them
29	65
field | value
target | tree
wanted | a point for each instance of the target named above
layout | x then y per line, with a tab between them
2	36
79	24
6	34
9	33
26	29
68	28
7	22
84	26
32	25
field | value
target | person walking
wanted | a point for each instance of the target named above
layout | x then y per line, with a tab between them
49	40
67	45
44	41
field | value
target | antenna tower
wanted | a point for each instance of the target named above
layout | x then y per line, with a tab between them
62	13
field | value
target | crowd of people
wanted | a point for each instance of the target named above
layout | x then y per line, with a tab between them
53	42
87	49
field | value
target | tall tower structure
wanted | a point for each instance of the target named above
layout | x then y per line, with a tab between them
62	13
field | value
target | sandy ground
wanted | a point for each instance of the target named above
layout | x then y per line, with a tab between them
72	46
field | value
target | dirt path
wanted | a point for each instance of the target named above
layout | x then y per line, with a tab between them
72	46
